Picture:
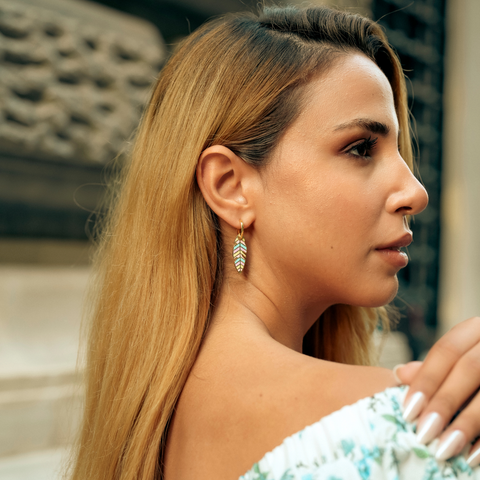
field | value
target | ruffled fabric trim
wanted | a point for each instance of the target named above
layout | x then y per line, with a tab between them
368	440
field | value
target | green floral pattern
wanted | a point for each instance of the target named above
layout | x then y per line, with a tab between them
368	440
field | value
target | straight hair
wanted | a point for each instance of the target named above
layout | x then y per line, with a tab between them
237	81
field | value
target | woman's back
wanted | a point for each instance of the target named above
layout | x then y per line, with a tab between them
246	394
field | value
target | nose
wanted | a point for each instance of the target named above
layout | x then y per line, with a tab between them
408	196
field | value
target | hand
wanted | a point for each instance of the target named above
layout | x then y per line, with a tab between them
446	382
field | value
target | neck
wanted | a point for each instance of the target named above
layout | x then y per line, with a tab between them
266	307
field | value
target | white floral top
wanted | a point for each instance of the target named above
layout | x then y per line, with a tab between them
368	440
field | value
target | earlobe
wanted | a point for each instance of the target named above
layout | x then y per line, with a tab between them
228	185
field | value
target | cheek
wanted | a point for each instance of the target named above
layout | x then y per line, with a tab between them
337	211
320	220
319	234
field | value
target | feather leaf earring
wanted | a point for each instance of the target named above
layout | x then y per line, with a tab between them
240	250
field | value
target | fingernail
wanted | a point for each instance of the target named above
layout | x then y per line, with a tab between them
451	445
474	459
429	428
395	368
414	407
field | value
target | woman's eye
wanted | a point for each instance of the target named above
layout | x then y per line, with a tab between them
360	150
363	149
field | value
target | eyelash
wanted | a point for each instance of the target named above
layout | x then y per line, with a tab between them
367	143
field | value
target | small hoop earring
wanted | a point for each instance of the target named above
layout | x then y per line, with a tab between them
239	250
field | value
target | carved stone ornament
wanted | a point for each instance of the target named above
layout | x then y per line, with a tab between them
74	78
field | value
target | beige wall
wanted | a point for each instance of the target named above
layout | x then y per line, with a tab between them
460	240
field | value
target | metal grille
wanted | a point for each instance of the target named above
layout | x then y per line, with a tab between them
417	32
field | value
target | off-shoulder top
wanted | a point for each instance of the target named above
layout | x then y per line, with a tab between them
368	440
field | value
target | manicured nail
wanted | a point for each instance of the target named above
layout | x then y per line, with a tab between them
429	428
474	458
395	368
451	445
414	406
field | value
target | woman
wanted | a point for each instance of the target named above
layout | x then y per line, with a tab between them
285	139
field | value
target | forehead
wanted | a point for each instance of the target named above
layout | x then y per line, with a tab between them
354	87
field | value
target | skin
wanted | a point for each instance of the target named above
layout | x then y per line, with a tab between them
314	217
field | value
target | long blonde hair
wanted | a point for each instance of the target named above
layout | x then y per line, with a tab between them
237	81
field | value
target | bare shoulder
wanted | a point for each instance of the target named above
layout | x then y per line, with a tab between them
341	384
313	388
235	409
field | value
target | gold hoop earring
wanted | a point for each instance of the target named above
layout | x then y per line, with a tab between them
240	250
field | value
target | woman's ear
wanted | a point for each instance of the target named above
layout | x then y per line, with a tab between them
228	185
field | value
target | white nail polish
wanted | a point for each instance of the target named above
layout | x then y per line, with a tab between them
474	458
451	445
395	368
414	406
429	428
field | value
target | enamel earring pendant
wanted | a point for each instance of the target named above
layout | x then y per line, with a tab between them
240	250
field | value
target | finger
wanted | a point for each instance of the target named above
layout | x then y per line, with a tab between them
406	373
438	365
474	456
450	398
462	431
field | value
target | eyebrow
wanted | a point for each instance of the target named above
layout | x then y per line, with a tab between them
365	124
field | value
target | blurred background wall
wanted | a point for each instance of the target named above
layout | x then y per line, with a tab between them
74	77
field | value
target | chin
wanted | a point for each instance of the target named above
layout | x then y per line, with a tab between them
385	300
378	297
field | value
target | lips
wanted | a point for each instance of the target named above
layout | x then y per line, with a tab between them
396	245
391	253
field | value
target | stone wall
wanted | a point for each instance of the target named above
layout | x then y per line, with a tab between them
72	90
75	77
